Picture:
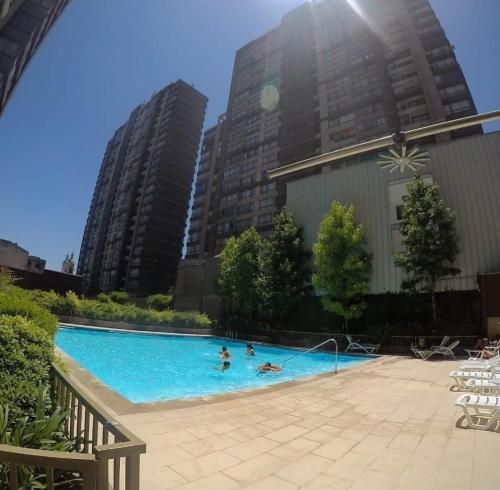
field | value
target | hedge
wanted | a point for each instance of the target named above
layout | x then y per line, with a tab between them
17	302
103	309
26	353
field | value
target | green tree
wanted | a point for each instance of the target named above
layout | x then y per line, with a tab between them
239	270
342	266
429	239
284	277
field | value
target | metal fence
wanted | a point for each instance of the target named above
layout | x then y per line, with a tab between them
108	456
392	340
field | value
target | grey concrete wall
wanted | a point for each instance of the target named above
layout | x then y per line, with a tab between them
195	286
468	173
12	255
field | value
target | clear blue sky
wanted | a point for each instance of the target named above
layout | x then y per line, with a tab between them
104	57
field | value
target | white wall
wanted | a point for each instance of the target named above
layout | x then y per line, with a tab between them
468	173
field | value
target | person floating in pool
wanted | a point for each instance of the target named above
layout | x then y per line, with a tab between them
268	367
224	354
224	367
250	351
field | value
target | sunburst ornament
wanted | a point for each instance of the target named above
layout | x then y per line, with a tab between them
402	158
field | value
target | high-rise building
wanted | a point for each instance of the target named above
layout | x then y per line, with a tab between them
23	25
333	73
135	227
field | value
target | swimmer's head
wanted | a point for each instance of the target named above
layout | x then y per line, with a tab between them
267	364
226	364
224	349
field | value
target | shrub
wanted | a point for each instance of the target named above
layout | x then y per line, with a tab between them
26	352
159	301
120	297
42	430
18	302
47	299
103	298
104	308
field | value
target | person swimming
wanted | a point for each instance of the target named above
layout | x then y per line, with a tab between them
250	351
224	354
268	367
224	367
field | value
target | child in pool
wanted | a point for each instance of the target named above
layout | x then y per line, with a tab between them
225	366
250	351
268	367
224	354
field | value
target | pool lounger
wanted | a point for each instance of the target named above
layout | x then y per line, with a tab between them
461	377
481	411
481	365
484	386
443	350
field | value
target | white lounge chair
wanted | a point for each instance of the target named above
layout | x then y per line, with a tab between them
473	354
476	353
461	377
366	347
484	386
481	411
446	351
445	340
481	364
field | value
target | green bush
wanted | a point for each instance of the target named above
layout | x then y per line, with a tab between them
26	352
106	307
159	302
47	299
103	298
120	297
43	429
16	301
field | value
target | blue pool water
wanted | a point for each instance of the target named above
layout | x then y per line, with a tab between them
149	367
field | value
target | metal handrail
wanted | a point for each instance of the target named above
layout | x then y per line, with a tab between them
313	348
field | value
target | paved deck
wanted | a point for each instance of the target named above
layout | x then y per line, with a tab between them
389	424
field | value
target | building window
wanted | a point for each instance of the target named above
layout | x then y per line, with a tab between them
267	202
265	219
247	194
460	106
245	208
265	188
243	224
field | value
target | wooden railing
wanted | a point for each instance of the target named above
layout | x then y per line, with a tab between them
108	454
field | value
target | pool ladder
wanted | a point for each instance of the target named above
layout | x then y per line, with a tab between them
314	348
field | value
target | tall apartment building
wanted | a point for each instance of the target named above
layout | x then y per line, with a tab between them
332	74
23	26
135	227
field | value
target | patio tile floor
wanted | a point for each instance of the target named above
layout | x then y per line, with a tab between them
391	424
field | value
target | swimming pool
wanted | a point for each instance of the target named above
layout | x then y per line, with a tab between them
151	367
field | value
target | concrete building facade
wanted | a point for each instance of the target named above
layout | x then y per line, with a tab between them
12	255
23	26
327	77
134	231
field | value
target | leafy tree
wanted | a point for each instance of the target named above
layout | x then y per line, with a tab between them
284	275
239	270
429	238
342	267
